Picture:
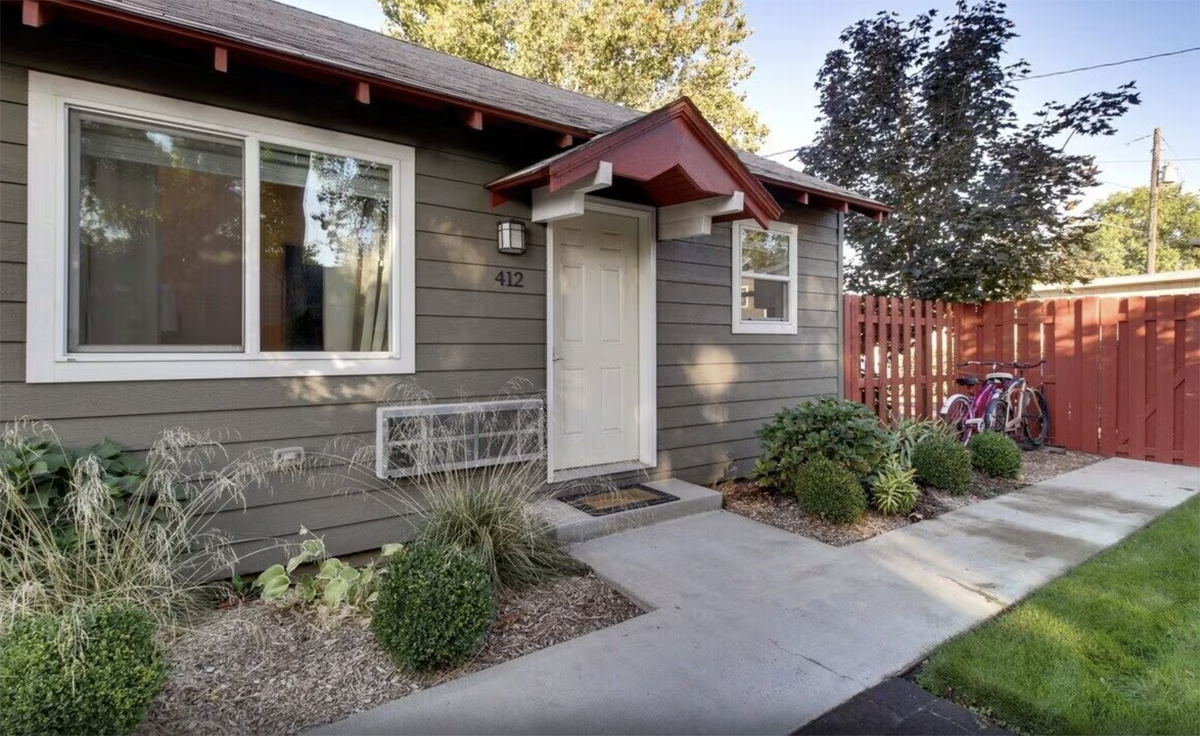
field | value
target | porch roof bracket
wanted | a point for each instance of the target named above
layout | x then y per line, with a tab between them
695	218
568	201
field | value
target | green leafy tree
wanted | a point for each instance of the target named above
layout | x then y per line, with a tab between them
920	115
639	53
1120	240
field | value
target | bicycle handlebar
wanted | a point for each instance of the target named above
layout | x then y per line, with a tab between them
994	363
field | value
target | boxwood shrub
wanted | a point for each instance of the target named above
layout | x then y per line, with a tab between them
996	455
829	490
434	606
942	462
843	431
93	672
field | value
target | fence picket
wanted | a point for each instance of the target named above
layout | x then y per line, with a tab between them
1087	368
1136	388
1164	349
1109	391
1190	369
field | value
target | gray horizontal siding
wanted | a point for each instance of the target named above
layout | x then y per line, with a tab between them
473	335
715	388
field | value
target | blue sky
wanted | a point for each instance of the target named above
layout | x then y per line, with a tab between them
791	38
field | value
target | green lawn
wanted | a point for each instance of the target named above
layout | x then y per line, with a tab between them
1112	647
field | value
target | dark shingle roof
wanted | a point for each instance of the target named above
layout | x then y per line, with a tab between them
288	30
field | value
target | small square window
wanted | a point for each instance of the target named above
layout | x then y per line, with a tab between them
764	278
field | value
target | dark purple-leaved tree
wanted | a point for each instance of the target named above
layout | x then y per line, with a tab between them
919	114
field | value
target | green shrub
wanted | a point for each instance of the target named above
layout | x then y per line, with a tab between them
842	431
942	462
893	490
996	455
829	490
434	606
91	672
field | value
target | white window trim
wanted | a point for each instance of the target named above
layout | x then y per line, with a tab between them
764	327
47	358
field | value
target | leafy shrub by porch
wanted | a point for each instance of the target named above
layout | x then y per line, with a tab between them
89	672
829	490
843	431
996	455
434	606
942	462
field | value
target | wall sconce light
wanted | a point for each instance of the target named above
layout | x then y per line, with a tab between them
510	237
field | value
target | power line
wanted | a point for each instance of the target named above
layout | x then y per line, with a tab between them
1141	160
779	153
1111	63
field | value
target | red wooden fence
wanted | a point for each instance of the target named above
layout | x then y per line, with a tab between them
898	354
1122	375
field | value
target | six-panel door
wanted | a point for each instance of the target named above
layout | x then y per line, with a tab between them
595	414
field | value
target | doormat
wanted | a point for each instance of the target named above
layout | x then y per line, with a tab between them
611	501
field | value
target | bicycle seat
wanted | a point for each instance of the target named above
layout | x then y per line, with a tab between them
999	376
967	381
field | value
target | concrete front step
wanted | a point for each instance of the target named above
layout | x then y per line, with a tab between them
572	525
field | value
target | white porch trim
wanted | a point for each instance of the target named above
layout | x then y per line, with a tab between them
695	218
570	201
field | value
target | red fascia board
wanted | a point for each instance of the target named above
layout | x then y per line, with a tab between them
830	199
164	29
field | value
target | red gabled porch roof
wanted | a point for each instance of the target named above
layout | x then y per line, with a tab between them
672	153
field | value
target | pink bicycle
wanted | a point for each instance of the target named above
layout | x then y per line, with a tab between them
986	410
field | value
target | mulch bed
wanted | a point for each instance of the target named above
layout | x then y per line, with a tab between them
781	510
256	668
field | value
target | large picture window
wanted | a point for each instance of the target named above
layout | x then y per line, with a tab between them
174	240
764	278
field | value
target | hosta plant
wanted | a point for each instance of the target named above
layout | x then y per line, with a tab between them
336	590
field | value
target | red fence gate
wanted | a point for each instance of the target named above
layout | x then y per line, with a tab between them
1122	375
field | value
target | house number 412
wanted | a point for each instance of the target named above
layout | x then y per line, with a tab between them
511	279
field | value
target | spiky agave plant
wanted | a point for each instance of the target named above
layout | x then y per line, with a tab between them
154	552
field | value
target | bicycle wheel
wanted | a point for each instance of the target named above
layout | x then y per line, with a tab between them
956	413
1035	421
995	416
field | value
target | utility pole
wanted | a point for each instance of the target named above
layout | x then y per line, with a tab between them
1152	247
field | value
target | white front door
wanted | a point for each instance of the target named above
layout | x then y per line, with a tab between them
595	343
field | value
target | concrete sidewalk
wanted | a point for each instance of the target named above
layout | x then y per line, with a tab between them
757	631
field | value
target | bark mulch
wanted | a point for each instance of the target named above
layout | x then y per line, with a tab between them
781	510
256	668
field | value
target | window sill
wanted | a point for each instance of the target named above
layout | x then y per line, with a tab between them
88	368
764	328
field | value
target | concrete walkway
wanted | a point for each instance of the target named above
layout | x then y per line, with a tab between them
757	631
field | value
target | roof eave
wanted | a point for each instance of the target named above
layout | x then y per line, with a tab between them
325	66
